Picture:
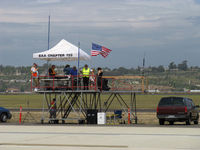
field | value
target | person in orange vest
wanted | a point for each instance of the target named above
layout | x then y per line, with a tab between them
35	75
86	74
53	109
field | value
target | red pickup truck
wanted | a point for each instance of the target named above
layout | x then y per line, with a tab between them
180	109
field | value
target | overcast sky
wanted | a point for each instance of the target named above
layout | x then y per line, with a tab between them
163	30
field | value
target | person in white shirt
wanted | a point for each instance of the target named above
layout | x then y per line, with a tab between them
35	75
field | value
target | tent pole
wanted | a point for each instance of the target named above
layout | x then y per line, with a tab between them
48	33
78	65
48	43
47	74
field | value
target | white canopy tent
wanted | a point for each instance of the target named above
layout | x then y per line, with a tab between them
63	51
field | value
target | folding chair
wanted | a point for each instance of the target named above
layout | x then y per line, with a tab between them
118	116
114	118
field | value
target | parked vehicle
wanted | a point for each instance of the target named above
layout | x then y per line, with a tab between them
4	114
180	109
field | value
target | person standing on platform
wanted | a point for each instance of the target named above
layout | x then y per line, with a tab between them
53	110
74	76
101	82
86	74
35	76
99	78
73	71
92	77
52	72
67	70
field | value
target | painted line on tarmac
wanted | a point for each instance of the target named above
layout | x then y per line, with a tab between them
64	145
100	134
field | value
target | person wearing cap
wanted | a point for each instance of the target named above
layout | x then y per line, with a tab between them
35	76
86	74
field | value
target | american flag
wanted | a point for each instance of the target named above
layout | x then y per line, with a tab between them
97	49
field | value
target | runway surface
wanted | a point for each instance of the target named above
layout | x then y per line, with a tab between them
37	137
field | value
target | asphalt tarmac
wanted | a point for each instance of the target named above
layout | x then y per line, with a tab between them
75	137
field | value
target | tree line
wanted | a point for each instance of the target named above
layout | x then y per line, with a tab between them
175	75
24	71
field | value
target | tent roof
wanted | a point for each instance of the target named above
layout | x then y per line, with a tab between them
63	51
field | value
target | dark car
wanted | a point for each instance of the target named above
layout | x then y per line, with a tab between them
180	109
4	114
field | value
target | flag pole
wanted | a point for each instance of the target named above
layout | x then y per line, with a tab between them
90	60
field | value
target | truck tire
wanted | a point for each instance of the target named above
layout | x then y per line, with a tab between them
196	121
188	121
171	122
161	121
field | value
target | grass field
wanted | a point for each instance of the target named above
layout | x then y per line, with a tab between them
36	100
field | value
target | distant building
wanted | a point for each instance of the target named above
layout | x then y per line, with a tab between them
18	73
12	90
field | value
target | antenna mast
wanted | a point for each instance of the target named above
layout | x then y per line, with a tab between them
143	67
48	33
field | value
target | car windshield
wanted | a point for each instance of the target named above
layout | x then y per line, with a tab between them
171	101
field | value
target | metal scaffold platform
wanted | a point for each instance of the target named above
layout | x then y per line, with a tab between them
73	106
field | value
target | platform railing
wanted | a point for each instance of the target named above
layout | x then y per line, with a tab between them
63	82
105	83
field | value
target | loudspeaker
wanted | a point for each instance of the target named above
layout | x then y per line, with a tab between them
92	116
